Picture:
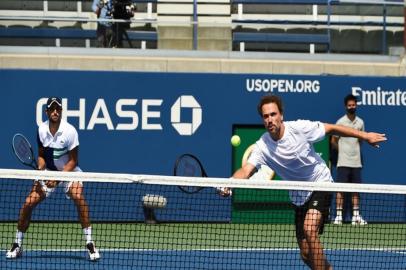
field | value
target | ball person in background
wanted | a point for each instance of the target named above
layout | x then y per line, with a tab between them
58	146
287	148
349	163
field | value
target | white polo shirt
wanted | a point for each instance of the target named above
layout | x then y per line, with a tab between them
56	147
293	156
349	148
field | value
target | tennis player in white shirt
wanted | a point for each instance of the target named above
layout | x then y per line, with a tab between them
58	147
287	148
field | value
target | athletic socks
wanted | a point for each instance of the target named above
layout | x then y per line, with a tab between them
88	234
339	212
355	212
19	238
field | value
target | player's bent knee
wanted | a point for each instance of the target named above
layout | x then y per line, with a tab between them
310	230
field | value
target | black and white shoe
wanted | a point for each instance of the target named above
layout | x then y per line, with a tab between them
15	252
94	254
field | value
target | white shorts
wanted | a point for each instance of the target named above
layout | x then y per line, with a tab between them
65	184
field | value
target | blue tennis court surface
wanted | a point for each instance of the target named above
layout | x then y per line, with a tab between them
199	259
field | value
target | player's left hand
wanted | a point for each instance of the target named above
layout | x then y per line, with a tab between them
375	138
51	183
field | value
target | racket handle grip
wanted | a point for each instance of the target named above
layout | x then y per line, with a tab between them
47	190
224	191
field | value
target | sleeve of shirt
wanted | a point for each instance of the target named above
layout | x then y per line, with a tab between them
73	139
256	157
314	131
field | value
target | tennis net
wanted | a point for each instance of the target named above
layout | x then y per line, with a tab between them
147	222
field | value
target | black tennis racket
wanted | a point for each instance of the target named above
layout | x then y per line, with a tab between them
23	151
189	165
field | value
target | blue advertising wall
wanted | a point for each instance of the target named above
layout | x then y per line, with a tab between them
136	122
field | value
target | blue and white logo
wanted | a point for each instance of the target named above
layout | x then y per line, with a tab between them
130	114
181	127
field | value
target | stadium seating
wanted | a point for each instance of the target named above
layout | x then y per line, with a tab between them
62	22
251	25
325	24
184	25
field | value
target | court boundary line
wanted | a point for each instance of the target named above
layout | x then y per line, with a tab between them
396	250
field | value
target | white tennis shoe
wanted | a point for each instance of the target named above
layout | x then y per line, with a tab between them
15	252
94	254
338	220
358	220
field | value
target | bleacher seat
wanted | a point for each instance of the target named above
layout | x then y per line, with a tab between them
291	36
271	35
63	23
397	38
372	42
351	40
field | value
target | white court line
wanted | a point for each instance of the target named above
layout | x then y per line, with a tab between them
392	250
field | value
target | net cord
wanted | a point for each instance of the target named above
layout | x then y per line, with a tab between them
199	181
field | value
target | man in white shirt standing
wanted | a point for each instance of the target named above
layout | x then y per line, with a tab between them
58	146
349	163
287	148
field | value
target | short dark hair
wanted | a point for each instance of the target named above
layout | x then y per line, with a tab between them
348	98
270	99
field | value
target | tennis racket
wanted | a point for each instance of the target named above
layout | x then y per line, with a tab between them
23	151
189	165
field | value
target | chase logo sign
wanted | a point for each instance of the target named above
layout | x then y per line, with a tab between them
181	127
130	114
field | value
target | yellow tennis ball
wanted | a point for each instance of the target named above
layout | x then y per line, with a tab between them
235	140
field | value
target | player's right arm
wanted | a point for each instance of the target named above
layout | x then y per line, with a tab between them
244	172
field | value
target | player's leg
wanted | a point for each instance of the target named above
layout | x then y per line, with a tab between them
313	221
75	192
300	213
33	199
311	249
36	195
